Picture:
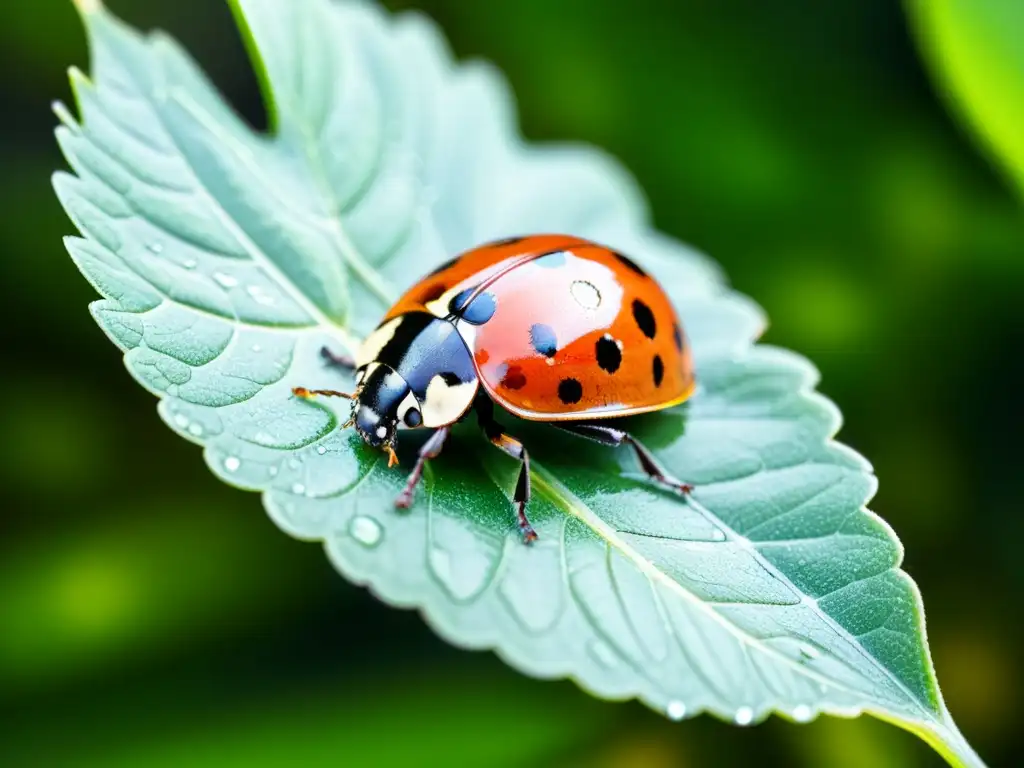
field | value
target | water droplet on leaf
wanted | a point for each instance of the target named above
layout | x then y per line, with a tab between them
365	530
809	651
298	489
232	463
259	295
744	716
225	281
801	713
676	710
321	450
155	247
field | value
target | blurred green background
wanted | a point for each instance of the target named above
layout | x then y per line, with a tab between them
151	616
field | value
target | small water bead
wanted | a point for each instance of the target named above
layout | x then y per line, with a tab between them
272	471
802	713
365	530
155	247
744	716
809	651
257	348
259	295
232	463
181	420
190	263
321	450
195	429
225	281
298	489
676	710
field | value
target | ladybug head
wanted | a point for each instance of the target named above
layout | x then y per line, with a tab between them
383	399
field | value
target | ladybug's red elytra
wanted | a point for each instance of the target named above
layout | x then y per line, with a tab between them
551	328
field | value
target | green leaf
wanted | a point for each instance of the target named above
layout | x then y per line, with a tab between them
228	258
974	50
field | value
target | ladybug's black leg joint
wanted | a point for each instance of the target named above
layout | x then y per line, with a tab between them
337	361
611	436
514	448
431	449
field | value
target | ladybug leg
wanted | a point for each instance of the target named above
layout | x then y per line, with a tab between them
514	448
611	436
337	361
429	450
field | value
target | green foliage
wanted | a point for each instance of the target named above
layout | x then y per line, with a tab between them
228	258
974	48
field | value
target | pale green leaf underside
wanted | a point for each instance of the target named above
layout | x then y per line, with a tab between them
228	258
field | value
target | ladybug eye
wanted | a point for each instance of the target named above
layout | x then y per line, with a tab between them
413	418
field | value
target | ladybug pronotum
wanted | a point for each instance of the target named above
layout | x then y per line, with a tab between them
551	328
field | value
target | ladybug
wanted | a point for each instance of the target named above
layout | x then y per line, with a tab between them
550	328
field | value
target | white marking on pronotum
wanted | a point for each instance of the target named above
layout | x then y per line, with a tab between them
382	431
444	402
407	404
375	342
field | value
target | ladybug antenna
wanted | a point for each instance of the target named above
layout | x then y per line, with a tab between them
309	393
392	457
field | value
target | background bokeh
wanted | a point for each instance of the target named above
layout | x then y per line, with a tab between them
151	616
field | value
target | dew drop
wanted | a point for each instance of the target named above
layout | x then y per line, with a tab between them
225	281
181	420
294	463
195	429
155	247
717	535
365	530
259	295
272	471
801	713
189	263
298	489
604	653
808	651
257	348
676	710
321	450
744	716
232	463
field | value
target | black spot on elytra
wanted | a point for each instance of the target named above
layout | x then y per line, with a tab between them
413	418
677	334
628	262
513	378
609	356
570	391
659	370
433	292
644	318
551	259
478	311
542	337
442	267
